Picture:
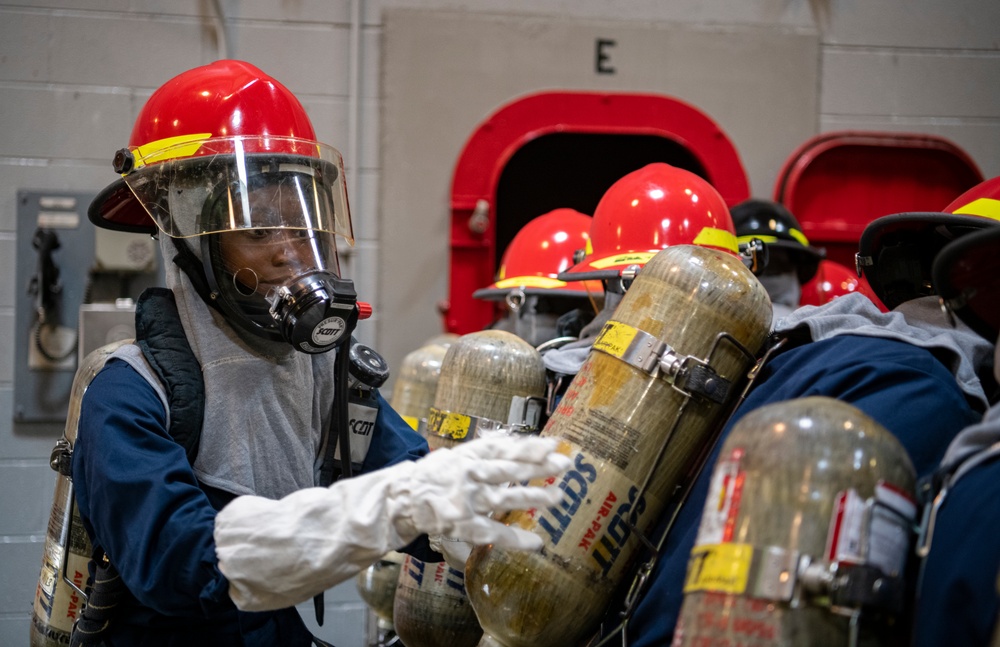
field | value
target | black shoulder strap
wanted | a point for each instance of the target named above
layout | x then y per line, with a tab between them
160	336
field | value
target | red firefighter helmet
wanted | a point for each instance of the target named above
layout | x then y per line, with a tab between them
219	123
649	210
966	273
536	255
896	252
831	280
225	155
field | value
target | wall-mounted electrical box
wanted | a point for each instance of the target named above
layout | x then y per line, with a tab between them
75	288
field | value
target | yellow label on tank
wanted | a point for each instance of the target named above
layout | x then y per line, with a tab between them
448	424
719	567
615	338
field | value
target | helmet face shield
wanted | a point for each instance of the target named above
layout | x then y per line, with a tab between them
231	184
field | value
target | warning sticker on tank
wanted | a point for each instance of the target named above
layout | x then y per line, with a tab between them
615	338
723	504
723	568
448	424
874	531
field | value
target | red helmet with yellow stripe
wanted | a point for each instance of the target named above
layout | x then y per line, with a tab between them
223	124
896	252
649	210
225	155
538	253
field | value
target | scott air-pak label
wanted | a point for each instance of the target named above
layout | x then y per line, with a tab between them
362	413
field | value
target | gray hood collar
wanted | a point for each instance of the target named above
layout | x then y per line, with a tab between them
919	322
265	403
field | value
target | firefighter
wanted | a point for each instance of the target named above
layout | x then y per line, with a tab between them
539	306
957	596
791	261
909	369
642	213
208	462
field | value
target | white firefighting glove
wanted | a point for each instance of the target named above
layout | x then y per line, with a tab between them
276	554
455	551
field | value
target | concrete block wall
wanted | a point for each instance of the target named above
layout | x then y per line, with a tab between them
74	73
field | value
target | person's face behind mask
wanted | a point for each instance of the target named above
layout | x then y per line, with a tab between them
273	275
260	260
784	289
781	280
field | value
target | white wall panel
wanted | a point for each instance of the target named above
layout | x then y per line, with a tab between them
60	122
966	24
362	191
24	481
307	59
910	83
769	12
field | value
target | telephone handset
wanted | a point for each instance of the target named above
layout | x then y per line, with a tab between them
52	341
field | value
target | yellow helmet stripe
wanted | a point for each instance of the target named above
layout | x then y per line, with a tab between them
799	236
637	258
766	239
794	233
167	149
986	207
714	237
530	282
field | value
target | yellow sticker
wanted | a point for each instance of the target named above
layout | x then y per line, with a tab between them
169	148
615	338
410	420
723	568
448	424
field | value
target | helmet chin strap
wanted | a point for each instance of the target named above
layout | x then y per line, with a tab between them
191	265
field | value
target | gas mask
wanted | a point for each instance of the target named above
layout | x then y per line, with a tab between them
277	281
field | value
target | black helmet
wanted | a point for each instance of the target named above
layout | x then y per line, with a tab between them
966	274
775	225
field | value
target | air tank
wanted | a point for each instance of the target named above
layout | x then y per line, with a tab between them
804	534
431	608
658	382
483	375
59	596
491	382
377	588
413	391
